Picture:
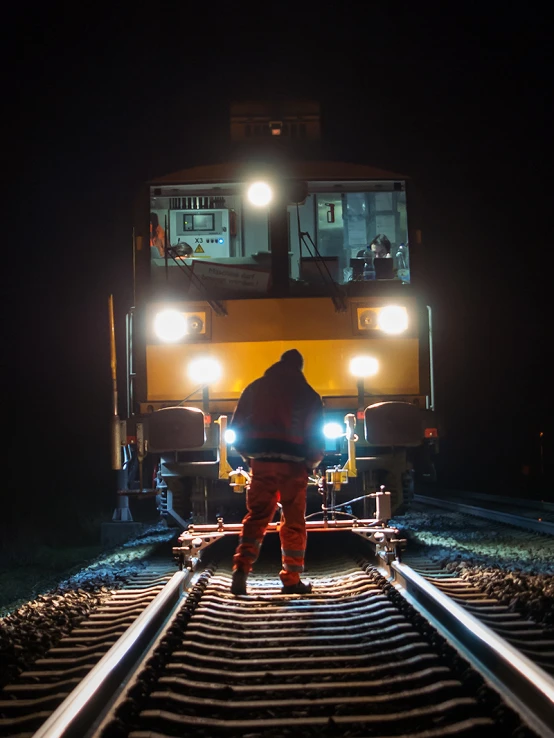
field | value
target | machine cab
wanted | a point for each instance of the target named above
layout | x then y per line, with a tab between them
297	229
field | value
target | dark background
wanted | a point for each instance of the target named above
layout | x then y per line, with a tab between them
458	100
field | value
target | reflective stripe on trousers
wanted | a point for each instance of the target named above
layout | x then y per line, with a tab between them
273	482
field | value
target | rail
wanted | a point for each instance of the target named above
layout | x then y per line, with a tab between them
80	709
538	525
524	685
525	502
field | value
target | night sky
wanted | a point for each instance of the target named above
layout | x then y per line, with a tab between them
460	101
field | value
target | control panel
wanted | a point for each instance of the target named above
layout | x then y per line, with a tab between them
205	231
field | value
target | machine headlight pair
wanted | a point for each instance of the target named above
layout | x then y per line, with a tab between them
209	370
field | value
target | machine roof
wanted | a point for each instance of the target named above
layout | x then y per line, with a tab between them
303	170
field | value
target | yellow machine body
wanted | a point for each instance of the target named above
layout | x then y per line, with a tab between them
255	333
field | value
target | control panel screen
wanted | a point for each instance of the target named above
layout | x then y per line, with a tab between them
198	222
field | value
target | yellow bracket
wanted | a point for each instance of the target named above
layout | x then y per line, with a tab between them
224	467
336	477
238	478
241	480
351	437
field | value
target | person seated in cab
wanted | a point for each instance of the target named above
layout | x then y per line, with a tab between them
383	264
380	247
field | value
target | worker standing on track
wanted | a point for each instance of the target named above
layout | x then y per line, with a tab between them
279	432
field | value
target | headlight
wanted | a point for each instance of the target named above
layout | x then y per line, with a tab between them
205	371
364	366
333	430
260	194
393	319
230	436
170	325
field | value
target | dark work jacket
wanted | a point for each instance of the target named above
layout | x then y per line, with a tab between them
280	417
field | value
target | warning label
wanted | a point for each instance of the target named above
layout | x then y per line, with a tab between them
199	250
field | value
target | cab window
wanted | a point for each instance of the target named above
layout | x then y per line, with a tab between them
360	236
344	232
215	241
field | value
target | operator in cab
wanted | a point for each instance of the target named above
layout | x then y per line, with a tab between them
278	424
380	246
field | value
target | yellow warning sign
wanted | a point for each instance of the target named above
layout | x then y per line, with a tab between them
199	250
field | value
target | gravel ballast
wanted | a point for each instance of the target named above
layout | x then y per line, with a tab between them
30	630
507	564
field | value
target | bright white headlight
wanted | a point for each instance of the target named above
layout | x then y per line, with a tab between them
205	371
393	319
260	194
364	366
333	430
170	325
230	436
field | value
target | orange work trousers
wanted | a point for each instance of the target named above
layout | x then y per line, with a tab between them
272	482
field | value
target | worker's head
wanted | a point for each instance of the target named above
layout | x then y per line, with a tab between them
293	358
154	222
380	245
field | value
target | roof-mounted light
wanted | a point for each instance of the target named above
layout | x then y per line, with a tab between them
260	194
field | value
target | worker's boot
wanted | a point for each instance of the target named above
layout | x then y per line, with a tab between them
238	585
300	588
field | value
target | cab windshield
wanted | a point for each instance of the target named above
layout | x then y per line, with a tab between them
211	241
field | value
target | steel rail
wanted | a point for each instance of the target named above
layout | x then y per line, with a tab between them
526	687
538	526
528	504
78	711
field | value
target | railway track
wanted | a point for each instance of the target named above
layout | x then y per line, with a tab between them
524	507
26	704
536	643
530	515
363	655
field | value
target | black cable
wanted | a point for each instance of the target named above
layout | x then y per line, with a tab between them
339	303
344	504
202	386
216	306
337	298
